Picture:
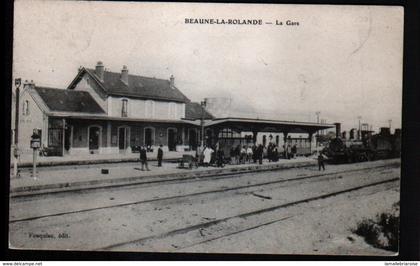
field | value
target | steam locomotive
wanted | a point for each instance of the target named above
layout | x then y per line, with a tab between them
370	147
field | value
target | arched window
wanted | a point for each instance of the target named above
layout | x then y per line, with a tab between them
264	140
124	107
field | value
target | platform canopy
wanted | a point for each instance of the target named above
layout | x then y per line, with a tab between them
264	125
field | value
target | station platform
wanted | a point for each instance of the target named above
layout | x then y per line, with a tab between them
26	160
78	177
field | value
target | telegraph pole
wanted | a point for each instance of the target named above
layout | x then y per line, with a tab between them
359	132
317	121
203	105
18	82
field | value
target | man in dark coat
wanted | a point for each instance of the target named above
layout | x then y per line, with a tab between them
260	151
321	162
275	153
232	155
254	153
220	157
160	155
294	151
143	158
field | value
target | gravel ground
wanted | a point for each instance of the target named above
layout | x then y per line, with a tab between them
322	227
305	231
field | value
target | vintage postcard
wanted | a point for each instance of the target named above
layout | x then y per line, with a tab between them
204	127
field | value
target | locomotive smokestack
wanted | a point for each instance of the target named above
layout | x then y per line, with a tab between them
384	131
337	130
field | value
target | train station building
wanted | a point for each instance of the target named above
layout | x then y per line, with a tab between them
103	112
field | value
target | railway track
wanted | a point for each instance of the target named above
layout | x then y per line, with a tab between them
266	202
316	177
159	180
235	230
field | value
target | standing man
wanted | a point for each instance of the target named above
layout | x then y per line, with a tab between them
294	151
143	158
238	154
275	154
254	153
232	155
260	152
160	155
220	157
321	161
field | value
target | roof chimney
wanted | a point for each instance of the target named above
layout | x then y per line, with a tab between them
99	70
124	75
29	84
172	81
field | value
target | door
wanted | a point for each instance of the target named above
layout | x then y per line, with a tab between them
192	139
94	138
148	137
55	141
122	140
67	136
171	140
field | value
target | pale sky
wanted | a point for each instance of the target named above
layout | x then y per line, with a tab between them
343	61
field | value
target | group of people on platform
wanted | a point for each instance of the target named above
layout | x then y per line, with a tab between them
246	154
237	155
209	156
241	154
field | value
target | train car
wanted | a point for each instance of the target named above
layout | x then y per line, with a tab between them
372	147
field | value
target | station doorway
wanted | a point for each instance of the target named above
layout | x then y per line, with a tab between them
171	139
122	138
94	133
192	139
148	137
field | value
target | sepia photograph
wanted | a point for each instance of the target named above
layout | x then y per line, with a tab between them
206	128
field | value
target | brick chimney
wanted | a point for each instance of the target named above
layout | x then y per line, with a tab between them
172	81
99	70
29	84
124	75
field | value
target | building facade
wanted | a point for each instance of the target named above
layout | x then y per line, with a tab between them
103	112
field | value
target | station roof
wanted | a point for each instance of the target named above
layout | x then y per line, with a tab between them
265	125
61	100
137	87
194	111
